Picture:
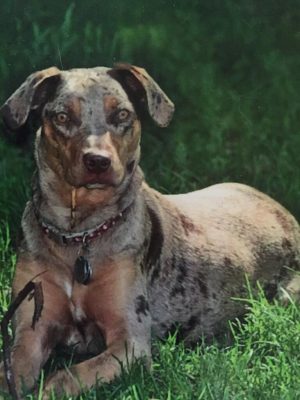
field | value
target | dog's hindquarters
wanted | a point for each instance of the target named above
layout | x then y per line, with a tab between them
210	241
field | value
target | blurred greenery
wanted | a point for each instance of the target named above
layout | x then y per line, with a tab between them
232	69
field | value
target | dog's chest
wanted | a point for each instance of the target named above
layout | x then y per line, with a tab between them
106	293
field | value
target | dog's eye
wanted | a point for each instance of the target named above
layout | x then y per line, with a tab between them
61	118
123	115
119	117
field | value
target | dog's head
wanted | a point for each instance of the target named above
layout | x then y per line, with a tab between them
90	126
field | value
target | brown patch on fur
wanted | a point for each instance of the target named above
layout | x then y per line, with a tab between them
227	262
49	131
188	225
93	198
87	201
127	144
106	297
133	142
286	244
282	220
59	151
109	103
74	107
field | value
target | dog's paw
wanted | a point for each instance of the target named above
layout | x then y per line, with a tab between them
60	383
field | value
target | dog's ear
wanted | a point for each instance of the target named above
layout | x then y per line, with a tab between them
29	96
141	88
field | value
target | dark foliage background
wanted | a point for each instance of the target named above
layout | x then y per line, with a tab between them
231	67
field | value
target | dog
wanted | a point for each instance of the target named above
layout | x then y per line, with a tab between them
116	258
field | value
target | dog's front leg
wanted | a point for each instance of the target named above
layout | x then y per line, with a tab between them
100	369
118	304
32	347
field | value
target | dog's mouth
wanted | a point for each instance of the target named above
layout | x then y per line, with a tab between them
98	185
98	181
101	181
90	180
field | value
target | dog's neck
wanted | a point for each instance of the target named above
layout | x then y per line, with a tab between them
55	199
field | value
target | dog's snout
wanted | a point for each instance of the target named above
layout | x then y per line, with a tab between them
96	163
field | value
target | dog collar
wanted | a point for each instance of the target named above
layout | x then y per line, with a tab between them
83	237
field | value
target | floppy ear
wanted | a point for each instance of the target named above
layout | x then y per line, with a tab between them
141	88
29	96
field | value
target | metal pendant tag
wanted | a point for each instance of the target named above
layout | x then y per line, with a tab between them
82	270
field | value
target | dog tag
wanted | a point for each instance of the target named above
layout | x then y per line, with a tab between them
82	270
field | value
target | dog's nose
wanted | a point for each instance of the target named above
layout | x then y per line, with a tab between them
96	163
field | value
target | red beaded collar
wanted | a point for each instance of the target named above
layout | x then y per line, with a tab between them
83	237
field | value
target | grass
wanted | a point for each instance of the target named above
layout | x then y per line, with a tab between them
232	70
261	364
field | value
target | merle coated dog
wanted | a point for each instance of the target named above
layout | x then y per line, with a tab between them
117	258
